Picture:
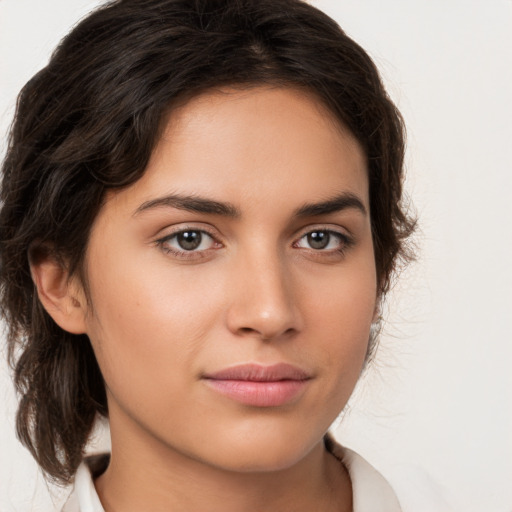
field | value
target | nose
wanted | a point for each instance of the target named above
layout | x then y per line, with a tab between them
264	300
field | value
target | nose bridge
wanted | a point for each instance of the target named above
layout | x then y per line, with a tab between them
264	298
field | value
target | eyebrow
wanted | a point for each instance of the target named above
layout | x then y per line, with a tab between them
197	204
343	201
192	204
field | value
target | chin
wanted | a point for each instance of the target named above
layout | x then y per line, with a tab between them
259	453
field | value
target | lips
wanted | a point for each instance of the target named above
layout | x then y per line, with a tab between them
260	386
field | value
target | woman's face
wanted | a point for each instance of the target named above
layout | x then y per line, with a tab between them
233	286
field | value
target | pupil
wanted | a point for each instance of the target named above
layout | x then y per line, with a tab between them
189	240
318	239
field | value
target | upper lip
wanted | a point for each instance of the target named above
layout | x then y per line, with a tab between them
260	373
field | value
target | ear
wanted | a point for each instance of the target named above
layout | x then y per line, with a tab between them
61	296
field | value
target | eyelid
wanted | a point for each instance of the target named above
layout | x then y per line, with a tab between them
346	238
173	231
187	226
329	228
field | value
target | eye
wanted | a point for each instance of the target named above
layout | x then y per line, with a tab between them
187	241
323	240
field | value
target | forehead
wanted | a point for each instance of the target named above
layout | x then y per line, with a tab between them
271	145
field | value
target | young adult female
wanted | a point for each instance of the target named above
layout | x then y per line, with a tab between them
201	215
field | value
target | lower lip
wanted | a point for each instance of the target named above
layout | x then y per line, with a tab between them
259	394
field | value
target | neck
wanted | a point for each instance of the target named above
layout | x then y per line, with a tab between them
148	476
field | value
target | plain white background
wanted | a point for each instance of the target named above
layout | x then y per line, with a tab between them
439	394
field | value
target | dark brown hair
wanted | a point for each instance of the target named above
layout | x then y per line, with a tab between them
88	122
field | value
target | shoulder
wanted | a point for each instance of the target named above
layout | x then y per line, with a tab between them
402	489
417	491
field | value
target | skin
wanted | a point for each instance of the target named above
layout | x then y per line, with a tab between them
255	291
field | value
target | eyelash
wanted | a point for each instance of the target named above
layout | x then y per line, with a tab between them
186	255
346	243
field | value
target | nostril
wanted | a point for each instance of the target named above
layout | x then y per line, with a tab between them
266	335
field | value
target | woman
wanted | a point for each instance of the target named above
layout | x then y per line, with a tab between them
201	215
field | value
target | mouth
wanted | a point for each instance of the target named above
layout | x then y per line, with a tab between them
260	386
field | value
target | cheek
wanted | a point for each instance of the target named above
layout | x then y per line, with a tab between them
147	326
340	319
